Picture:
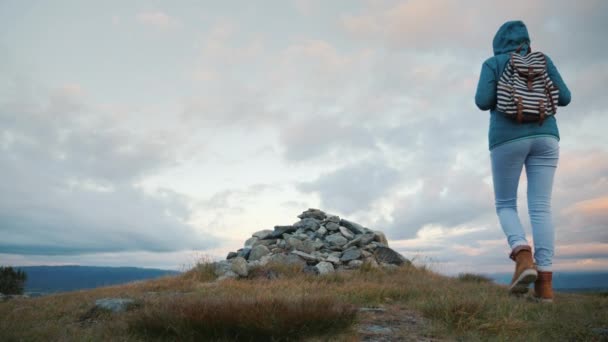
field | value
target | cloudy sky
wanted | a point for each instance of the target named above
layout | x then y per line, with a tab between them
154	133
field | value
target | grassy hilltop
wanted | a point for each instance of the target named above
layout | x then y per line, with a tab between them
401	304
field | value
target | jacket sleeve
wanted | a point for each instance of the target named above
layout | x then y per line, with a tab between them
564	92
485	97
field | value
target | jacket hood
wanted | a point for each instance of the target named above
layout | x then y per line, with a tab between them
510	36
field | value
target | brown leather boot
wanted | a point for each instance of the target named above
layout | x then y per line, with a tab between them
525	272
543	288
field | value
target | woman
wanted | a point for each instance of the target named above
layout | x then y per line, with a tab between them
513	145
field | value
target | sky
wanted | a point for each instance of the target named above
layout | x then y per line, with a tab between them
161	133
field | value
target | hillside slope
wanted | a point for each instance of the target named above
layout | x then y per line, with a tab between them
276	302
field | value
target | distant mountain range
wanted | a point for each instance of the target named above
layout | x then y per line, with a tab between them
52	279
567	281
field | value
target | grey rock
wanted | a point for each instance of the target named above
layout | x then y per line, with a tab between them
380	237
243	252
258	251
221	267
313	213
251	241
332	226
305	256
354	227
347	233
389	256
262	234
239	266
333	218
227	275
349	255
367	238
317	244
336	240
115	304
355	263
309	269
376	329
333	259
287	259
600	331
308	246
231	255
294	243
308	223
265	242
321	231
325	267
280	230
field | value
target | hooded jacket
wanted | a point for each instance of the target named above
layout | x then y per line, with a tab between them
509	37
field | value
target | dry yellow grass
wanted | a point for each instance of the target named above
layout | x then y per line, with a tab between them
452	309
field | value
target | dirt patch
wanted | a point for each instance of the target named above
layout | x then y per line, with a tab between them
391	323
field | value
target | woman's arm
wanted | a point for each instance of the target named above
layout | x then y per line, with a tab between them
485	97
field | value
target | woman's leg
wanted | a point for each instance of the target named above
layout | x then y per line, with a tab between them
540	170
507	163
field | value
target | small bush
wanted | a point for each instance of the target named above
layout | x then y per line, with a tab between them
474	278
12	281
243	319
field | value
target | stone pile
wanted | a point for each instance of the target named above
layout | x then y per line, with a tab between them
319	243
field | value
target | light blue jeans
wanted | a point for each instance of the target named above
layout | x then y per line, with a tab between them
540	156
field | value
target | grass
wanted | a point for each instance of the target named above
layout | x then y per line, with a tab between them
277	303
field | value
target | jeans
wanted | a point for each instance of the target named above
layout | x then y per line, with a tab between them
540	156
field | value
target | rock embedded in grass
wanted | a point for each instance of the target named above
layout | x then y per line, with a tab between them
319	243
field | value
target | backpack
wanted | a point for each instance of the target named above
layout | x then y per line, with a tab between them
524	92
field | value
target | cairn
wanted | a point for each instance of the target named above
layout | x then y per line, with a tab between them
319	243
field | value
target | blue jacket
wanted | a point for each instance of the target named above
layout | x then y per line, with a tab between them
509	37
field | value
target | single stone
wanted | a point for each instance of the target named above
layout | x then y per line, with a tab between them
347	233
305	256
325	267
380	237
243	252
221	267
309	269
389	256
321	231
239	266
308	223
366	253
287	259
333	218
317	244
251	241
349	255
367	238
332	226
115	304
258	251
264	259
262	234
227	275
354	227
266	242
336	240
312	213
355	263
294	243
307	246
333	259
280	230
231	255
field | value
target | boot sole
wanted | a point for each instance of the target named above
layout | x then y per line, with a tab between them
520	286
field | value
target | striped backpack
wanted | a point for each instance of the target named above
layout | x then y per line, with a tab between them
525	92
